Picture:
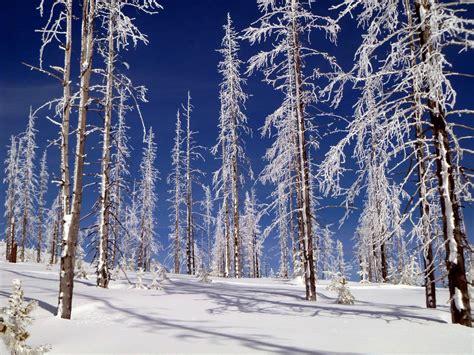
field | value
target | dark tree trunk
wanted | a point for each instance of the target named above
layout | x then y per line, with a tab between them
452	222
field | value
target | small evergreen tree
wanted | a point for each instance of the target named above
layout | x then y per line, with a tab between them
15	318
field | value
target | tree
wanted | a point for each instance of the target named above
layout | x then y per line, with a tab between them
148	201
27	153
207	206
232	122
16	317
175	179
53	31
12	195
326	253
72	218
53	228
130	243
119	173
252	238
191	154
432	19
43	188
341	265
403	52
120	29
290	23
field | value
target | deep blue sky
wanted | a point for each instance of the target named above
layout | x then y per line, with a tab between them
181	56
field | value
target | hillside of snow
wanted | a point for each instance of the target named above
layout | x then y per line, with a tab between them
233	316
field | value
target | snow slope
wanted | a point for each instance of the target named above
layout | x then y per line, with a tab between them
234	316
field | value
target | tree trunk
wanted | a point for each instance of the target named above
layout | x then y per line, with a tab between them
189	246
235	197
72	220
177	196
428	258
452	224
304	192
65	174
40	233
384	266
103	274
226	215
24	228
13	246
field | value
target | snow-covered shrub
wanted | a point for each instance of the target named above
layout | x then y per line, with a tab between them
344	295
139	284
3	249
364	272
336	279
81	272
162	273
411	273
203	276
14	320
155	276
339	284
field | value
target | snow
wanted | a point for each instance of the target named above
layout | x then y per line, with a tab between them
458	299
450	226
238	316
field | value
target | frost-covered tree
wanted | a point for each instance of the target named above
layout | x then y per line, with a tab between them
326	256
12	194
404	51
28	181
341	265
42	189
191	154
208	222
219	249
58	29
175	180
283	231
72	217
120	30
129	244
148	201
15	318
232	122
53	229
289	23
252	237
119	174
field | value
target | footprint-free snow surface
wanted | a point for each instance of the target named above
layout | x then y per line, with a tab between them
234	316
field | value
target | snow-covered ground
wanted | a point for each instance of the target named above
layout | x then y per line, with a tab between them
234	316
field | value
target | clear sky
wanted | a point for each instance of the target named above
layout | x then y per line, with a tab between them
181	56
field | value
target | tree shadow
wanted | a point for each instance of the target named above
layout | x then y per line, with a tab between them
44	305
257	300
200	329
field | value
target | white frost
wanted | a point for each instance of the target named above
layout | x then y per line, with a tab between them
458	299
453	247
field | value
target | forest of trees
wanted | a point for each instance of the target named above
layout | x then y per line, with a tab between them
401	154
